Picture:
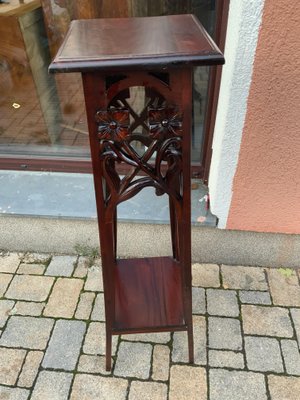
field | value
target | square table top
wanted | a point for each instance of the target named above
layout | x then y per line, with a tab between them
135	43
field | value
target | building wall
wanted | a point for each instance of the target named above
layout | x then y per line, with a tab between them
242	33
266	187
258	187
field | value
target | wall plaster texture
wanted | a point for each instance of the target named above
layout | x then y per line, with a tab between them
266	187
242	33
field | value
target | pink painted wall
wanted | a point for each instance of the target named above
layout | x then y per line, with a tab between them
266	187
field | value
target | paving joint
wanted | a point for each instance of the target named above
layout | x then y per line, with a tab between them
227	296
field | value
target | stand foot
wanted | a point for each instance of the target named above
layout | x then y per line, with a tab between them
108	351
191	344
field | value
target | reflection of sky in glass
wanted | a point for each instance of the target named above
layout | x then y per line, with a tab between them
72	196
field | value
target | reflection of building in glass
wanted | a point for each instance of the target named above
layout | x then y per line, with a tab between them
51	118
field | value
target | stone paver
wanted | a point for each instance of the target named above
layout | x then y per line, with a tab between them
64	346
236	385
36	258
285	289
94	342
5	307
28	308
255	297
263	354
11	361
139	355
180	344
85	304
187	383
291	356
31	269
240	277
81	268
161	337
27	332
30	287
226	359
30	368
52	337
88	387
224	333
52	385
206	275
61	266
222	302
98	313
64	297
198	300
94	280
148	391
7	393
296	319
9	263
268	321
161	363
284	387
92	364
4	282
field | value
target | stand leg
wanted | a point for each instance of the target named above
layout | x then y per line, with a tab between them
108	266
108	350
174	230
190	330
115	233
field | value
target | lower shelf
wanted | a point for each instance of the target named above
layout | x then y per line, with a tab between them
148	296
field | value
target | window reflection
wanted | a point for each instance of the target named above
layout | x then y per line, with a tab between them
44	115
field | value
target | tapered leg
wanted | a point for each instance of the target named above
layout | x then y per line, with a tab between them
174	229
190	328
108	349
191	344
115	233
185	224
108	267
95	98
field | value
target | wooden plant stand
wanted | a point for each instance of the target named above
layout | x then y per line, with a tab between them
157	54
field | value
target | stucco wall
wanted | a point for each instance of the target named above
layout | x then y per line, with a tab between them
242	32
266	186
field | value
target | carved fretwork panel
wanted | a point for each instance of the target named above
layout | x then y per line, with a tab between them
137	119
160	135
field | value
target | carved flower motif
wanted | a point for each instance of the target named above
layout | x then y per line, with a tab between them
165	122
113	124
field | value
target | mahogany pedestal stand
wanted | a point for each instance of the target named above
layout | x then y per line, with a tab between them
157	54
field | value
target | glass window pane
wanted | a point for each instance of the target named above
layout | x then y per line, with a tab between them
44	115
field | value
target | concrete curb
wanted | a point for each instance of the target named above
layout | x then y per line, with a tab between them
209	245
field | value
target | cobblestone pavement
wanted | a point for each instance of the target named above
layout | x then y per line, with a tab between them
246	331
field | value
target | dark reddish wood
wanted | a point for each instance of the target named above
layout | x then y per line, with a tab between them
144	42
214	88
183	215
95	98
110	136
141	295
148	295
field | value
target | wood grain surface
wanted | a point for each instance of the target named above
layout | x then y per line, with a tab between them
148	295
105	44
